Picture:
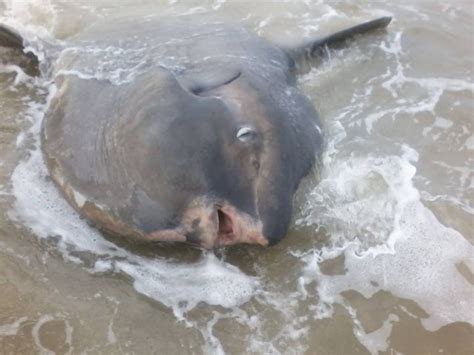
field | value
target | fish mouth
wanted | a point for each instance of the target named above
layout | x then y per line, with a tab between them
235	227
225	228
211	225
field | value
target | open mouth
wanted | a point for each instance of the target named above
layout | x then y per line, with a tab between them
225	232
217	225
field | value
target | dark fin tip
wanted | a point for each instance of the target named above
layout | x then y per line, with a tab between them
350	32
9	38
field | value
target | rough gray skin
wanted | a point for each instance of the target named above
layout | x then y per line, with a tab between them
200	136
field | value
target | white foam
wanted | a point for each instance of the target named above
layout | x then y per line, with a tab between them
422	268
10	329
182	286
363	198
432	87
38	17
388	237
20	76
111	337
377	341
469	144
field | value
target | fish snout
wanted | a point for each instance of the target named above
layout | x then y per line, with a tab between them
222	224
211	225
235	227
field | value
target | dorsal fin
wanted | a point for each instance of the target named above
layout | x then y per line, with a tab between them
11	39
314	47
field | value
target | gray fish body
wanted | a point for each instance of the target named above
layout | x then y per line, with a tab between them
180	132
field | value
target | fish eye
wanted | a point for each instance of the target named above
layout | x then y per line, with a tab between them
256	164
244	134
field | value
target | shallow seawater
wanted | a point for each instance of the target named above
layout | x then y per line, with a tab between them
379	258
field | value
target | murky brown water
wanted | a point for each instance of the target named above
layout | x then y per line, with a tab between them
380	255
